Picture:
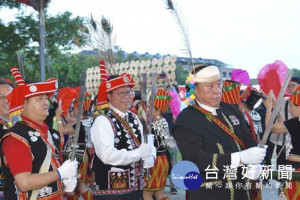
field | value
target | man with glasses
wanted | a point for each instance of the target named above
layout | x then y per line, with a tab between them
5	122
295	81
5	88
117	136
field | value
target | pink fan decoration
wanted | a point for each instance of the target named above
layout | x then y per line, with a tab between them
271	77
240	76
175	103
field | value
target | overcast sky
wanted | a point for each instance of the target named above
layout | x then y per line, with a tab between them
245	34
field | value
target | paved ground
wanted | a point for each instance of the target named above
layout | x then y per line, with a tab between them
179	196
267	193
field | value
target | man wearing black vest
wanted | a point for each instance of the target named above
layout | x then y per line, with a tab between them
213	135
5	121
32	151
117	137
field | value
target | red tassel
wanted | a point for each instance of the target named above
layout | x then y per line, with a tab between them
73	197
87	195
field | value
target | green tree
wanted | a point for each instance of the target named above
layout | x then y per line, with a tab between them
68	67
181	74
296	72
11	4
23	35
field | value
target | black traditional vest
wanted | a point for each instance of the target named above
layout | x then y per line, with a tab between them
129	179
3	130
46	155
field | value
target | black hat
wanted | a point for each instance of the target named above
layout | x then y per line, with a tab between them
296	79
250	97
137	95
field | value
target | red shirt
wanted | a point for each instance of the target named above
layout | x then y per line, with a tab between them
17	154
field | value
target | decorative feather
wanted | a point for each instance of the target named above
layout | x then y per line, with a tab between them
93	23
173	9
241	76
79	40
106	26
100	40
84	29
170	5
271	77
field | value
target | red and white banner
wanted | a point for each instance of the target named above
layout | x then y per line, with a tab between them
181	92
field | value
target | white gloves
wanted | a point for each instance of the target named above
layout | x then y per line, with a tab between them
148	162
253	172
253	155
145	150
69	184
150	138
68	169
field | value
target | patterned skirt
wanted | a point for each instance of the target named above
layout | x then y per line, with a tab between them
293	190
159	173
85	168
255	193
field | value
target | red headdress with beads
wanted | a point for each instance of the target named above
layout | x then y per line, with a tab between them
106	86
23	91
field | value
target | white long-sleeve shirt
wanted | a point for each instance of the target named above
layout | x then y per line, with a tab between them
102	136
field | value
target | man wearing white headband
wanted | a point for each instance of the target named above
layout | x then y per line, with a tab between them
213	135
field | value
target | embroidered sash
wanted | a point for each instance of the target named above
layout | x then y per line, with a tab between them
251	126
48	158
126	125
219	123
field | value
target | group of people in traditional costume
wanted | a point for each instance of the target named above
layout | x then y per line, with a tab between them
116	159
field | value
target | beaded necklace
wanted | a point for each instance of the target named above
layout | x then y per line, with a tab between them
44	136
126	125
219	123
6	124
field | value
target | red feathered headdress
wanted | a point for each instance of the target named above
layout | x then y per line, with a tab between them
125	80
65	98
23	91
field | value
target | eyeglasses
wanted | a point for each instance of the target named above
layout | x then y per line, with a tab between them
122	94
292	85
3	98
